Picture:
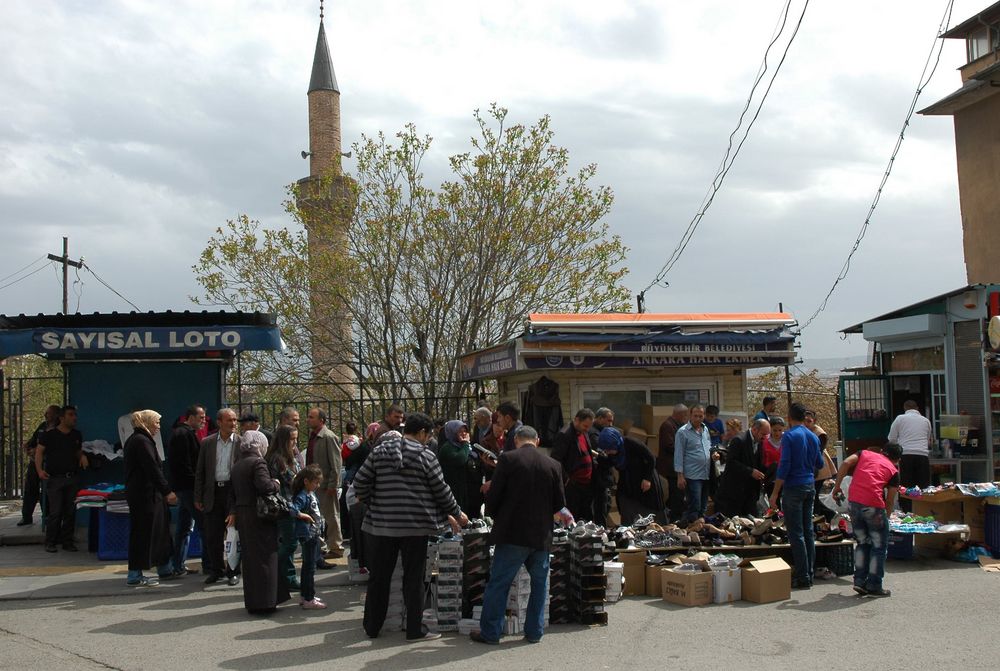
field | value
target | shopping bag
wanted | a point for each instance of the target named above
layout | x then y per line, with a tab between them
231	549
831	503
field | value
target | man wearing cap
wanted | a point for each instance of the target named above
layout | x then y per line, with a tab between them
250	421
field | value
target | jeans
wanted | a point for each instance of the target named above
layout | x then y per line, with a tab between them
310	551
507	559
697	499
797	504
871	530
287	543
188	519
60	524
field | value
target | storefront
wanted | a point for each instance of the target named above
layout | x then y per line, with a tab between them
633	363
938	354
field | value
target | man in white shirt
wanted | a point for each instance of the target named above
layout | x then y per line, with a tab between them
913	432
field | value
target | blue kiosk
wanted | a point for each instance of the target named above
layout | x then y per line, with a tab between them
116	363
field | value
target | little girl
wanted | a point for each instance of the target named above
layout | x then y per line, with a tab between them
308	529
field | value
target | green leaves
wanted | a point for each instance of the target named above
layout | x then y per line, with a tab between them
425	272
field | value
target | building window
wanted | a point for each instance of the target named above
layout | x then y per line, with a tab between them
983	41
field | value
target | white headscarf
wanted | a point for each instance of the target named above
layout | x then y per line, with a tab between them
253	441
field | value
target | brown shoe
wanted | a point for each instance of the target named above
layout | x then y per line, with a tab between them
334	554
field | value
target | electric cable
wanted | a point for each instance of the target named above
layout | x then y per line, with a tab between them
924	80
21	279
113	290
18	272
730	155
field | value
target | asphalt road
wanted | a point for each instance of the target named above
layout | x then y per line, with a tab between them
73	612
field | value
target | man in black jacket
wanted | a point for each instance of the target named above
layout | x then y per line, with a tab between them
603	480
574	451
526	494
182	462
739	489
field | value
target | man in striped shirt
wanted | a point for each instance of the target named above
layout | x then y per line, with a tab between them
407	498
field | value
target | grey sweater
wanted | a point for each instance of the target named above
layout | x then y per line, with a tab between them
402	485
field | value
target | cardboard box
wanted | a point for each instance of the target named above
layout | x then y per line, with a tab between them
686	589
654	587
727	585
634	570
653	416
766	580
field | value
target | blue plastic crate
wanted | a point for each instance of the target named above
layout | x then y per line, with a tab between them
900	545
112	535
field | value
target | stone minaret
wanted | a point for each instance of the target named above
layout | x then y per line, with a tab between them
325	201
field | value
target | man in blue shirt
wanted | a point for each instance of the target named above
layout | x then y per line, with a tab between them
692	449
796	484
769	403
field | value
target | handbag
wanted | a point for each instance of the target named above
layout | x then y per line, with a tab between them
273	507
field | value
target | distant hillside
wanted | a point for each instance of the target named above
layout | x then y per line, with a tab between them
832	367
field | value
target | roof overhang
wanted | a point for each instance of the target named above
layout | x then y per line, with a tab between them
962	30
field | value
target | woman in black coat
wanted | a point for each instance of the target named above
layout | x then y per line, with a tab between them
639	490
148	496
262	588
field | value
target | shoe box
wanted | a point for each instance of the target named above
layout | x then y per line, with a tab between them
687	588
766	579
634	569
654	585
615	574
727	585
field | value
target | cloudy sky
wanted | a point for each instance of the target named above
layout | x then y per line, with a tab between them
136	128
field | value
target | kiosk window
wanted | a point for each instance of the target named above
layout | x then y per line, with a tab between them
626	404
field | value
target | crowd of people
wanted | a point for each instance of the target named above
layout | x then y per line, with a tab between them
408	478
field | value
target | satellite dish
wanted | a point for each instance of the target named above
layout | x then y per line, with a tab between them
993	332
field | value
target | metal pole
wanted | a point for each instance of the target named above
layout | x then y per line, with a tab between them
65	275
788	379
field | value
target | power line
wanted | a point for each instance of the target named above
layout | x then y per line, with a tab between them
113	290
925	79
730	156
18	272
21	279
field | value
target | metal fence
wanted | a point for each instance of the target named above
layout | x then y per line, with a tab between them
23	404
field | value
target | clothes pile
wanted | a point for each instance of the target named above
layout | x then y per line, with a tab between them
977	489
97	496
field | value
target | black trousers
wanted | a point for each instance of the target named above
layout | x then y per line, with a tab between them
382	552
61	521
580	500
215	532
914	471
32	492
359	549
675	499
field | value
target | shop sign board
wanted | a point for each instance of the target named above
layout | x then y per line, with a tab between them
489	362
84	342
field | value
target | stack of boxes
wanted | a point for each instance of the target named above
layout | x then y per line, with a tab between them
448	588
475	570
517	602
559	588
615	575
587	580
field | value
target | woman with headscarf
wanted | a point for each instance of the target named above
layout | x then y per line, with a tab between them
282	466
148	496
262	588
453	455
639	490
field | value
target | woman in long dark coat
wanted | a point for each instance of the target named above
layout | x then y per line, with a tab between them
148	495
262	588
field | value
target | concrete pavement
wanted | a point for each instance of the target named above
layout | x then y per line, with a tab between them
63	611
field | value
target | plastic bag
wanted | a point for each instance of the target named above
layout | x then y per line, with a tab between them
231	548
837	506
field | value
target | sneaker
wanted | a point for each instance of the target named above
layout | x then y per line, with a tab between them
141	582
427	636
233	580
878	594
860	590
312	604
50	547
151	581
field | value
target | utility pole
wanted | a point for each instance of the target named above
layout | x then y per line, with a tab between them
66	263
